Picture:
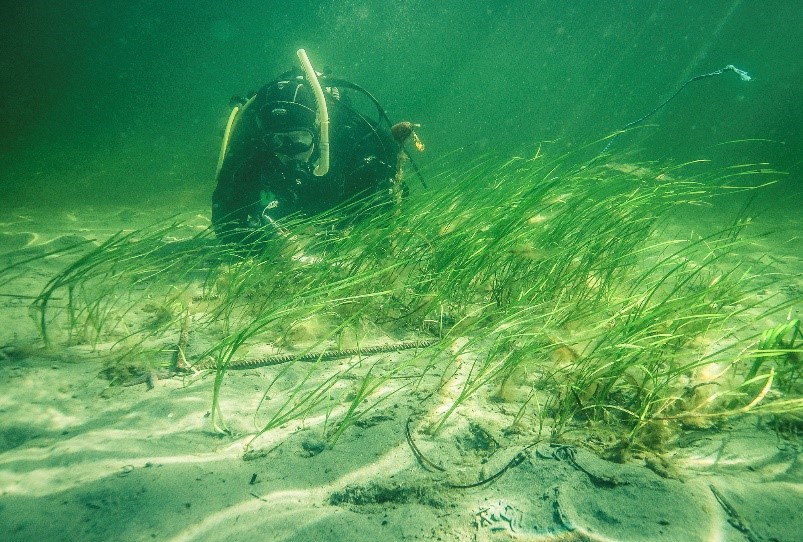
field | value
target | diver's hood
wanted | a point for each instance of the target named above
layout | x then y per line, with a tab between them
289	105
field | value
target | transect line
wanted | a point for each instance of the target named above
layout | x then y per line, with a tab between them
325	355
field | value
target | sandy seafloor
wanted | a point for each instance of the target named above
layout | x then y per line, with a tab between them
81	462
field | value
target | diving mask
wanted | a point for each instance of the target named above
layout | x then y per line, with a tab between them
290	143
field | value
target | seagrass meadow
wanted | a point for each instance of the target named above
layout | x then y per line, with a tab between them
527	346
557	294
580	323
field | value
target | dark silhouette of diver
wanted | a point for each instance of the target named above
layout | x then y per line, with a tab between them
277	159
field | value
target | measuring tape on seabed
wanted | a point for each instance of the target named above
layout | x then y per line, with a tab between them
319	356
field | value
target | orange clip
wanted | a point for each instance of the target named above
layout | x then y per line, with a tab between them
418	143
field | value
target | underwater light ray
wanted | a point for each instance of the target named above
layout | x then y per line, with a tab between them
393	461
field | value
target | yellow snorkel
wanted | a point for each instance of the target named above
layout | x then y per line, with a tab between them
226	137
322	167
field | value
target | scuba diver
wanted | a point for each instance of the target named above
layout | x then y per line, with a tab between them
303	144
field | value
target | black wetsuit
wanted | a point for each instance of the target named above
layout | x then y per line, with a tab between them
254	186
